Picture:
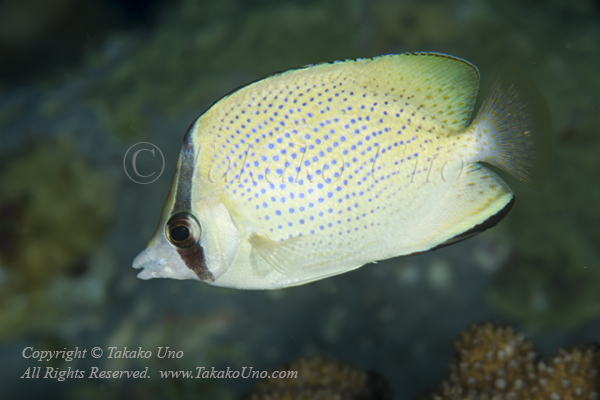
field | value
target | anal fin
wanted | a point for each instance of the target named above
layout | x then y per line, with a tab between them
478	199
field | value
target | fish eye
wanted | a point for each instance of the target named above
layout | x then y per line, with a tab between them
183	230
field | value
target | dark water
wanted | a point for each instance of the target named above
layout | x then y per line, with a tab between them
84	83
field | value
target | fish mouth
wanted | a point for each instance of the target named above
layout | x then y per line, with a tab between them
149	267
169	266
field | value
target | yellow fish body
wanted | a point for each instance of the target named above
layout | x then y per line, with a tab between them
317	171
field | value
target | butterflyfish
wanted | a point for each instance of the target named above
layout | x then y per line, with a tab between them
317	171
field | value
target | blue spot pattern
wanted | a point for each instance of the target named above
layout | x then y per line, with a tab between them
310	154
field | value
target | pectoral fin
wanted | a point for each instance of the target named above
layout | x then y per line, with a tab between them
283	255
289	257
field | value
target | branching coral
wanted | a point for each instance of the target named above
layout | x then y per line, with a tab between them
320	379
496	363
572	374
493	362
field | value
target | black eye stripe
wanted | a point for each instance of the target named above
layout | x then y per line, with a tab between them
183	195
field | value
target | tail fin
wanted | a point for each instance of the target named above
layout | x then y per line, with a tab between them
514	125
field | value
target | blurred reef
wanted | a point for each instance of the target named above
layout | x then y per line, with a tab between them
36	43
320	379
50	227
496	362
492	362
81	82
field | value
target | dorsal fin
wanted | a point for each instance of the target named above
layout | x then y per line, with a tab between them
442	86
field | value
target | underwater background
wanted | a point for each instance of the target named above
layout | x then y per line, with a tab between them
82	82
